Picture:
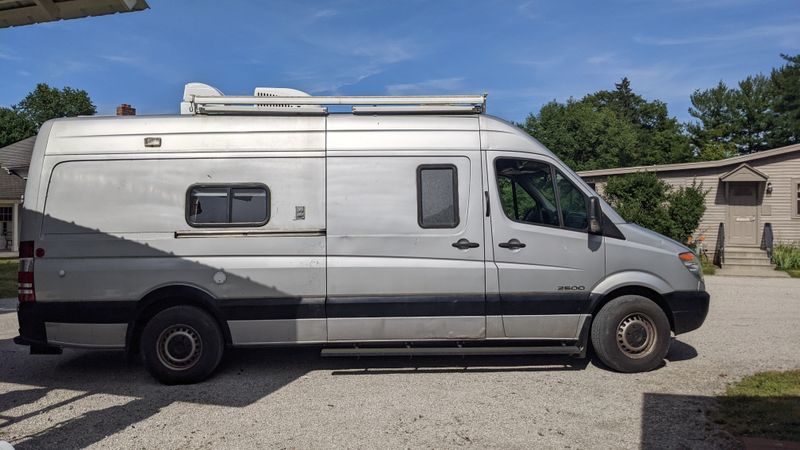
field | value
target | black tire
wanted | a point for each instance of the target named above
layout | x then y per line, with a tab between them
631	334
182	345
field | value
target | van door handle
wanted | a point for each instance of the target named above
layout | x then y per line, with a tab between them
513	244
463	244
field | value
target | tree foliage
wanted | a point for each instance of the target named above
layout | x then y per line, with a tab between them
759	113
42	104
642	198
610	129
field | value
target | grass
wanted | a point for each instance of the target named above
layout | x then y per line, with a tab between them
794	273
786	256
765	405
8	277
708	267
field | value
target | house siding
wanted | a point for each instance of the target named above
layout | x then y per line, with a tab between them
777	208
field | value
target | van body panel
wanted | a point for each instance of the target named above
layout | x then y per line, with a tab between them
343	257
278	331
417	328
213	134
552	275
379	257
87	335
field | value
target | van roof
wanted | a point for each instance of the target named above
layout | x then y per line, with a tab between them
284	133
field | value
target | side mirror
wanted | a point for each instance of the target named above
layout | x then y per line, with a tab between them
595	216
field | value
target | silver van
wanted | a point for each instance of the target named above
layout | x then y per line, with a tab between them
406	225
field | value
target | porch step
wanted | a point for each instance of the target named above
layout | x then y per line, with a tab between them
738	260
750	271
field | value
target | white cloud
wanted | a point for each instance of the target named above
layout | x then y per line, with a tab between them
324	14
431	86
603	58
540	63
528	9
789	31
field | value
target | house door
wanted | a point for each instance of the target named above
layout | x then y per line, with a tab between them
743	213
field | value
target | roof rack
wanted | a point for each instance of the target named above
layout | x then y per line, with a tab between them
199	98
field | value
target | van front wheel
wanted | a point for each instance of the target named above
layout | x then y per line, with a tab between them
631	334
182	344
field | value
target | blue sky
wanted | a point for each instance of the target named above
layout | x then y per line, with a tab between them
523	53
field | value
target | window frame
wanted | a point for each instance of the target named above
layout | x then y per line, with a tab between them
556	191
229	187
795	197
457	217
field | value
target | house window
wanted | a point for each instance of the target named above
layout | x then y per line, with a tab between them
228	205
437	196
6	213
796	196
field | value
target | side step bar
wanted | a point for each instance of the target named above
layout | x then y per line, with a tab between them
447	351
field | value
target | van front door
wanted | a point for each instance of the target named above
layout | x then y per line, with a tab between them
405	246
547	262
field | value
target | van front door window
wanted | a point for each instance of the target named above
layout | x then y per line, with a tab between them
527	192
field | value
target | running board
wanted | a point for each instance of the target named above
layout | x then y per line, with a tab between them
447	351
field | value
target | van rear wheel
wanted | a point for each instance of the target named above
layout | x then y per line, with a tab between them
182	344
631	334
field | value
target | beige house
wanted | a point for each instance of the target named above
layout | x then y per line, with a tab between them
745	194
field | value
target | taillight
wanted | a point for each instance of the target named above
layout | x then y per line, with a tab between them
26	291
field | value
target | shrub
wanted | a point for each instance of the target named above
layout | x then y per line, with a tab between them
786	256
643	199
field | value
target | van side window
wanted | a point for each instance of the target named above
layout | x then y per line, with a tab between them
527	192
573	204
227	205
437	196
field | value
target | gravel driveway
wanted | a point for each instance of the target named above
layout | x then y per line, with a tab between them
295	399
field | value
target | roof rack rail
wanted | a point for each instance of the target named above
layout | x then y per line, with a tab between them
199	98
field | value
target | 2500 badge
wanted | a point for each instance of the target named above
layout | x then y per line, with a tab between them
571	288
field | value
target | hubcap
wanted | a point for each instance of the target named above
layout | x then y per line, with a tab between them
179	347
636	335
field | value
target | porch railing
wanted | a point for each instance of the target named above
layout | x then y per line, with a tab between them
767	240
719	249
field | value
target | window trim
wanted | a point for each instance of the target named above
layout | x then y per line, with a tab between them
229	187
795	190
553	171
452	167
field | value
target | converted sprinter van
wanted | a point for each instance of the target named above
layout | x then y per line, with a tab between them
408	225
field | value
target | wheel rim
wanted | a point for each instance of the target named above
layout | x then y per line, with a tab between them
179	347
636	335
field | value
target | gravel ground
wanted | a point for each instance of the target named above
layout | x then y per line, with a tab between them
295	399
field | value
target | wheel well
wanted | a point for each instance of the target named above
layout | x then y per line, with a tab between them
635	290
167	297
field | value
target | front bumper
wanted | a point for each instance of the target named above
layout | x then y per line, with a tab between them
689	309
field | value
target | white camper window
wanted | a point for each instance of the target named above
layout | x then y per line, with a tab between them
226	206
437	196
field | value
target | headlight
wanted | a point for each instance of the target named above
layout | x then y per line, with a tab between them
692	263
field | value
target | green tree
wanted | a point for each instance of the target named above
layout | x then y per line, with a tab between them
642	198
42	104
14	126
760	113
610	129
786	84
584	137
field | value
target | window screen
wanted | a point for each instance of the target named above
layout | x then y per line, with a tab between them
437	196
234	205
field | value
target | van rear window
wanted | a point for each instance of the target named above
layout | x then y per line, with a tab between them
437	196
227	205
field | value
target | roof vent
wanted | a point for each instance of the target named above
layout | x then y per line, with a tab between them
282	92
